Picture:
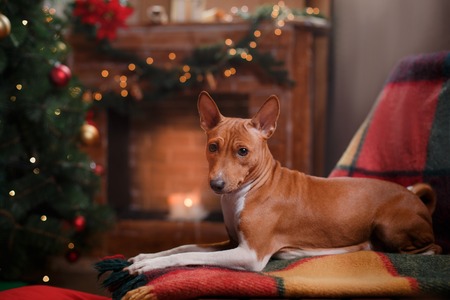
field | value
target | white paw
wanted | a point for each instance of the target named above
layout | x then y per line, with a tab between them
147	265
140	257
137	268
150	264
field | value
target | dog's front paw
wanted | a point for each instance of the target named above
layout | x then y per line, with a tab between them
133	269
140	257
139	267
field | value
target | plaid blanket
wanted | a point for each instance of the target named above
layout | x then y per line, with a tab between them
358	274
406	137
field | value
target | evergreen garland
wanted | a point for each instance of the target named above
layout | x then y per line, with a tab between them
205	60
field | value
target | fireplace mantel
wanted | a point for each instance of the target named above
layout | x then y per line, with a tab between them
299	140
303	47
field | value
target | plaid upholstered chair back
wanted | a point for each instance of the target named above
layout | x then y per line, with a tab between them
406	137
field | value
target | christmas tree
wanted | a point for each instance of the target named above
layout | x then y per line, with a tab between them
47	183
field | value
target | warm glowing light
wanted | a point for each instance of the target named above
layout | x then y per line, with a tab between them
32	159
280	23
187	75
249	57
309	10
252	44
290	17
97	96
185	206
123	78
123	84
87	96
276	8
172	56
124	93
149	60
232	51
19	86
183	79
188	202
57	112
71	245
12	193
316	11
277	31
227	73
43	218
24	22
186	68
36	171
45	278
228	42
131	67
257	33
244	55
105	73
244	9
233	71
234	10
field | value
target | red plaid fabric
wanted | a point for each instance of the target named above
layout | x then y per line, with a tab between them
406	137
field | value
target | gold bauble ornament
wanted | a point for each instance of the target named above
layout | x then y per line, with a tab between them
5	26
89	134
61	46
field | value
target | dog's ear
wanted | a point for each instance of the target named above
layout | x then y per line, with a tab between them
210	115
266	118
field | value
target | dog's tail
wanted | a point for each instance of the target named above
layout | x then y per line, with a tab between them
426	193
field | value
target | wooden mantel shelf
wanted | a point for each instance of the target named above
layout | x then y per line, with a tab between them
317	27
303	46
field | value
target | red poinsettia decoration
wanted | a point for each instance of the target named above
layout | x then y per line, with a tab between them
106	15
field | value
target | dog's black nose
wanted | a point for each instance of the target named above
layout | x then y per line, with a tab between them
217	185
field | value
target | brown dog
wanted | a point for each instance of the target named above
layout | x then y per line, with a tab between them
273	211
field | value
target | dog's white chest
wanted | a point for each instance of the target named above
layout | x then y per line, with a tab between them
232	206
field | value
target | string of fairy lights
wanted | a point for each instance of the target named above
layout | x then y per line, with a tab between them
219	59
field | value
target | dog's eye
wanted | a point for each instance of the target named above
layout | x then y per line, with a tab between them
212	147
243	151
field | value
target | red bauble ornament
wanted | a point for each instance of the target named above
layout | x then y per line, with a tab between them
60	75
72	256
79	223
99	169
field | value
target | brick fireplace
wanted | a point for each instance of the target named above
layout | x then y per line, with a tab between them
155	160
157	166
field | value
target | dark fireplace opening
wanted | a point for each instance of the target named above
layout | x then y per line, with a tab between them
157	167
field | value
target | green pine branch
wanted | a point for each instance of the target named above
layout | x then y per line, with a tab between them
45	179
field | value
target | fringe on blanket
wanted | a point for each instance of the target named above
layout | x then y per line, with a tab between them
118	282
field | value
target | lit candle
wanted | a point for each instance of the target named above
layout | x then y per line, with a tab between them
186	206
